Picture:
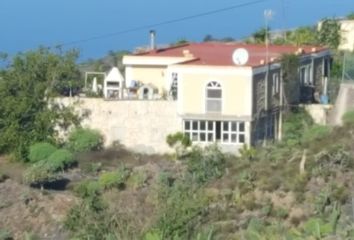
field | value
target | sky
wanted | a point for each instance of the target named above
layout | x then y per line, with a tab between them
25	24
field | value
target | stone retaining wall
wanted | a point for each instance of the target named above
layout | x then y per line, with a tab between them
141	126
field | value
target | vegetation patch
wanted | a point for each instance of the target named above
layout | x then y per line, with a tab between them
84	140
115	179
40	151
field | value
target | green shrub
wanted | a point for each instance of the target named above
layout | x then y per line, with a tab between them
294	124
317	228
316	132
138	179
179	142
280	213
83	140
247	153
173	139
60	159
348	118
3	177
39	173
114	179
90	218
180	207
40	151
206	164
5	235
30	236
87	189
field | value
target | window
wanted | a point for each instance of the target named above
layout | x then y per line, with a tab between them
227	132
305	75
174	86
275	84
213	97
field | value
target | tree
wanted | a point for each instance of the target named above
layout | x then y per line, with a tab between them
260	35
27	112
291	85
303	36
329	33
208	38
350	16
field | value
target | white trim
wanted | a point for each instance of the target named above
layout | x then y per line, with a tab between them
275	83
206	96
154	60
128	75
215	70
180	99
229	132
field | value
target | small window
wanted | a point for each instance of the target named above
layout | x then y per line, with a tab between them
202	137
174	86
275	84
210	125
305	75
195	136
213	97
241	138
195	125
210	137
234	126
241	127
233	137
187	125
226	126
202	125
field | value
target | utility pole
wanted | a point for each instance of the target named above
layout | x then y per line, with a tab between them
267	16
343	70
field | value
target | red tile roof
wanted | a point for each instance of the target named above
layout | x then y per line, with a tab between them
220	54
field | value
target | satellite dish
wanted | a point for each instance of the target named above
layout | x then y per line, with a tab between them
240	56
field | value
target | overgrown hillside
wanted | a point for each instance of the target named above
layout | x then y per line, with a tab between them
298	189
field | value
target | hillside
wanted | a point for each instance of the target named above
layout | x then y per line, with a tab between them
298	189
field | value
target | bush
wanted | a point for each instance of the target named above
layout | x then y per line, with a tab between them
138	179
173	139
206	164
180	208
114	179
83	140
3	177
348	118
39	173
316	132
294	126
40	151
5	235
60	159
179	142
87	189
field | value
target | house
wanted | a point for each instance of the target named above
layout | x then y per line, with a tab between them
347	35
346	32
227	96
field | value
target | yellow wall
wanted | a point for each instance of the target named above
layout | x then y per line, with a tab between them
236	91
154	75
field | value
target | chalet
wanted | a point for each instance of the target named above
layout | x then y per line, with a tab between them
229	93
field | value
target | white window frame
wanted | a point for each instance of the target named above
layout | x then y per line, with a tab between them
275	84
235	130
213	85
305	78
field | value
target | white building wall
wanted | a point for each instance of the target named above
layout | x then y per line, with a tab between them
347	35
141	126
